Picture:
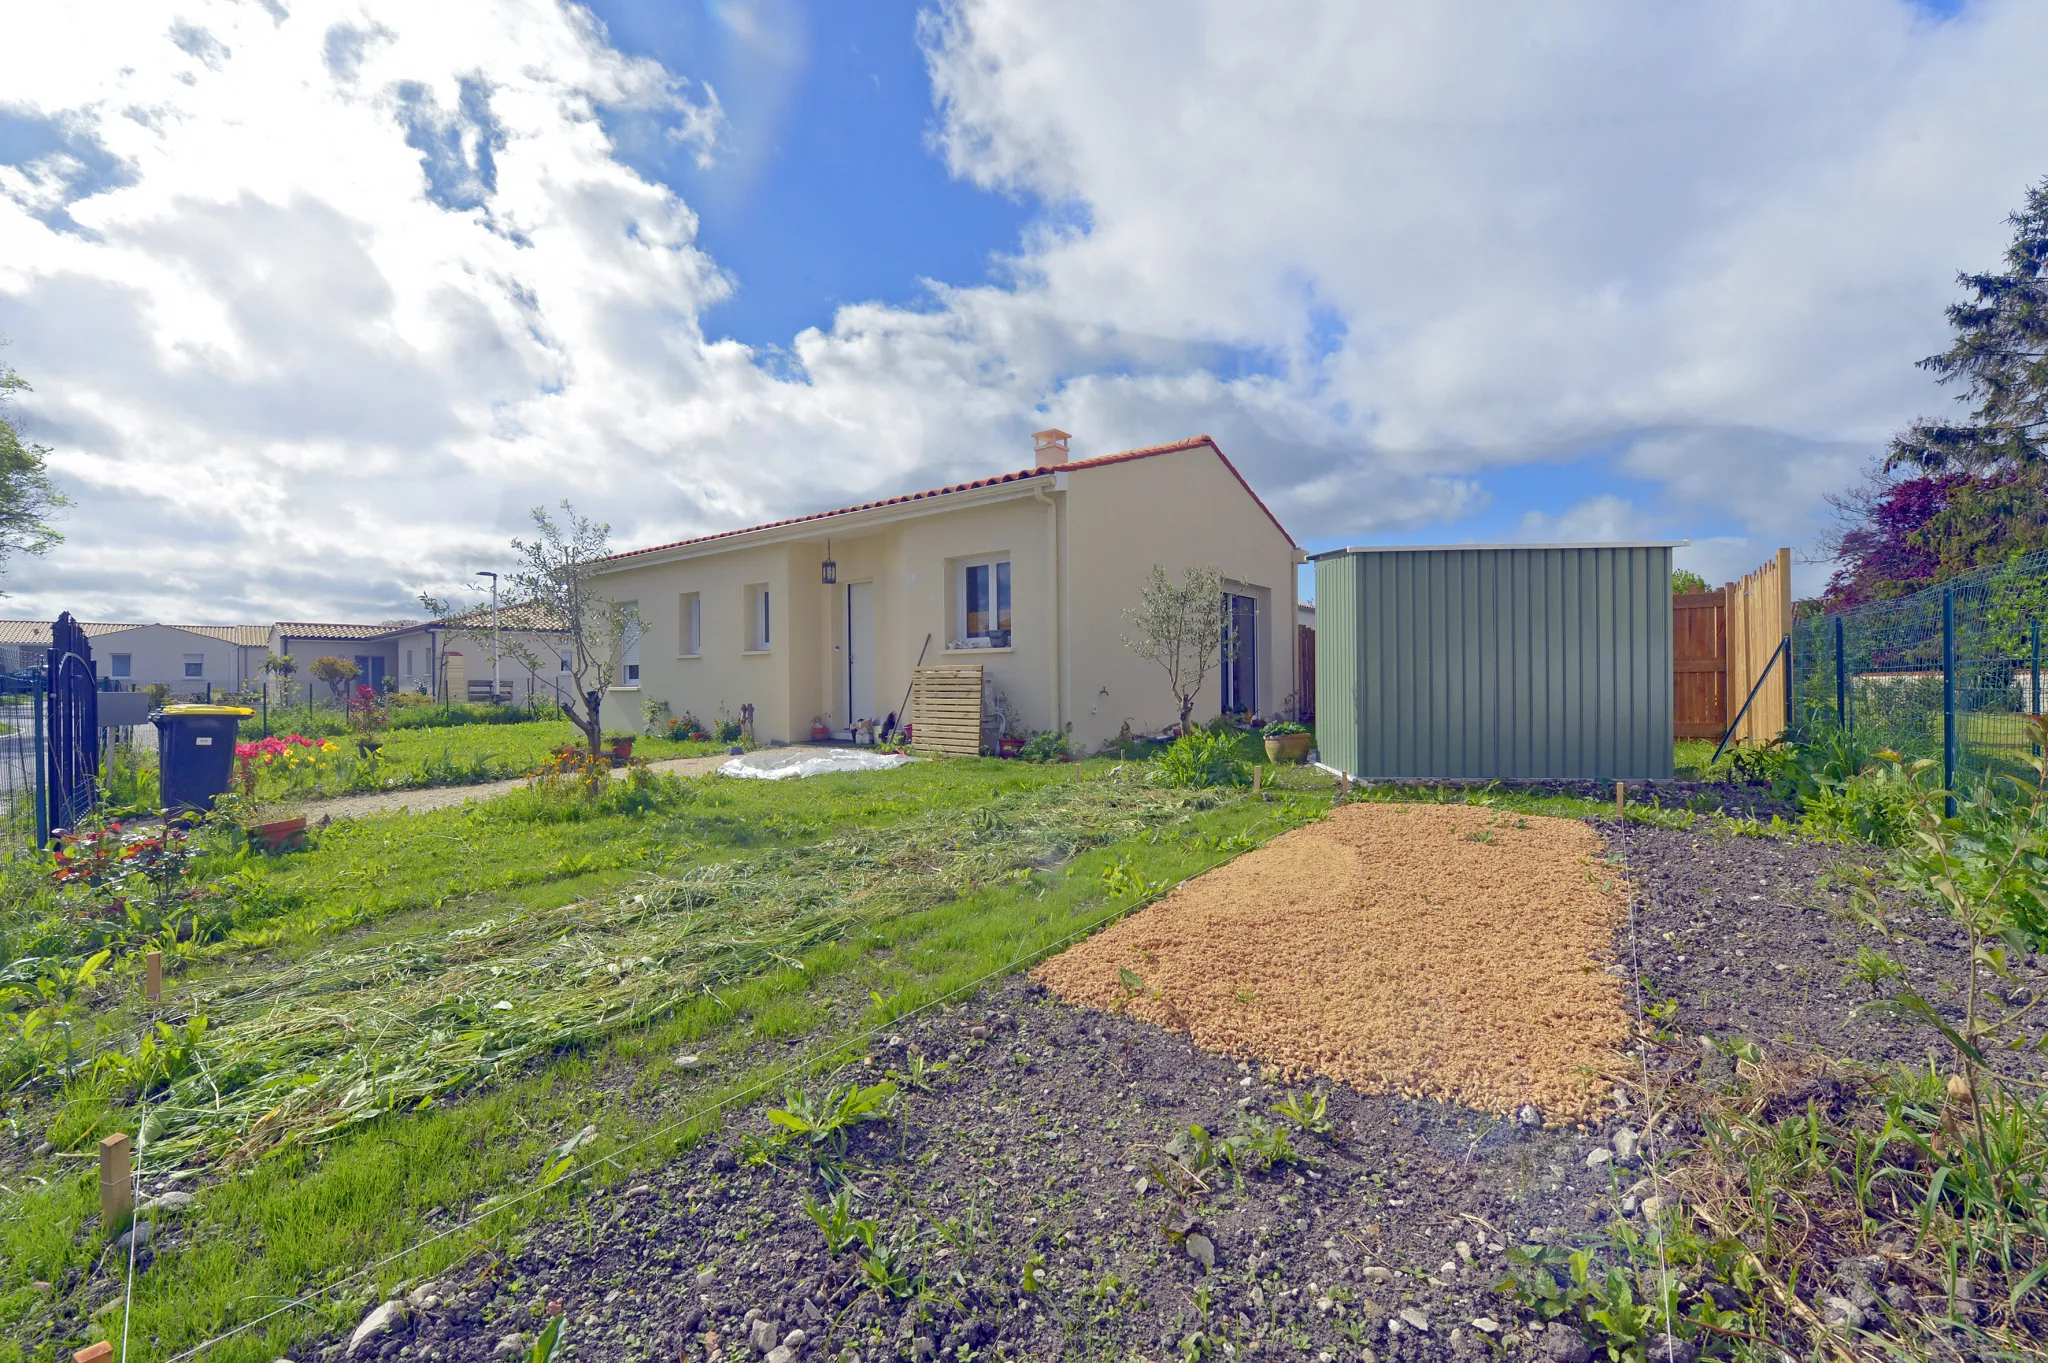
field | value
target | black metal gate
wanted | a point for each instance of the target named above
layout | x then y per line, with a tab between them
73	726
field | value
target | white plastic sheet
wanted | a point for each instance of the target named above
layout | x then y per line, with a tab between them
777	764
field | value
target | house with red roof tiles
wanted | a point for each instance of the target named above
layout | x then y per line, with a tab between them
821	618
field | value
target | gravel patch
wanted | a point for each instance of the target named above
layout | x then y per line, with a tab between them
1439	951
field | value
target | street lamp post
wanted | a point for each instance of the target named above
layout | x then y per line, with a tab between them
494	631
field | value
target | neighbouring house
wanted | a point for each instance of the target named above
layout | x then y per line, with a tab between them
189	659
451	657
823	617
367	646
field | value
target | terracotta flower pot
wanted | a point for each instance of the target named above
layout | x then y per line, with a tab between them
1288	748
1009	747
285	835
819	733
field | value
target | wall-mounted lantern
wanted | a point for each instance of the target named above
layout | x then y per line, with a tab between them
828	571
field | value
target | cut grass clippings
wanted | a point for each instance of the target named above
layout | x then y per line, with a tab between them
996	890
306	1048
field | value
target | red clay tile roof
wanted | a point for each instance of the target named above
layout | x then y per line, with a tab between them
1097	462
38	631
307	629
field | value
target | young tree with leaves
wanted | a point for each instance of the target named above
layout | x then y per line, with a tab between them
27	496
336	672
555	580
1180	626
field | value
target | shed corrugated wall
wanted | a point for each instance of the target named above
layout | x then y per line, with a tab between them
1495	663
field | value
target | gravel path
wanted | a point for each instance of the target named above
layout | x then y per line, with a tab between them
442	797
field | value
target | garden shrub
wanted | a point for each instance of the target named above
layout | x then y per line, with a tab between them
1202	758
1045	745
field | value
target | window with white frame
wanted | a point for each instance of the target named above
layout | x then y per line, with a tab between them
759	633
689	624
195	664
124	665
629	641
981	616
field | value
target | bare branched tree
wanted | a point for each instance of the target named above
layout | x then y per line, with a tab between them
1180	626
553	582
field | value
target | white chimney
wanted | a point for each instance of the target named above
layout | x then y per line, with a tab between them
1049	447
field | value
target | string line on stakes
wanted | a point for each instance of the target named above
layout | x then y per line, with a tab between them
1635	946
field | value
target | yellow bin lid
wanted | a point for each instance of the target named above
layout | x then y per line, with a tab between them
242	710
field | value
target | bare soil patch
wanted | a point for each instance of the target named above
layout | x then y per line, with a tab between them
1444	952
1028	1151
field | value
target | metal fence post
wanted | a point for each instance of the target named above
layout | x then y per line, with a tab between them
1842	682
1791	716
2034	684
1948	698
42	796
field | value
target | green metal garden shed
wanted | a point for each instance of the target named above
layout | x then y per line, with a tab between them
1485	662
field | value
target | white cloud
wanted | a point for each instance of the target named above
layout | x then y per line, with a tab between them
317	303
1605	519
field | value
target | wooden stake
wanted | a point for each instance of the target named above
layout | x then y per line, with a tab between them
93	1353
153	976
117	1191
1343	789
1621	800
1258	771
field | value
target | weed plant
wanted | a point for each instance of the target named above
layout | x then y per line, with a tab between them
1202	758
1814	1184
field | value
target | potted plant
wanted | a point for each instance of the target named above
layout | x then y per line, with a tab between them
1009	745
1287	741
621	746
820	730
368	718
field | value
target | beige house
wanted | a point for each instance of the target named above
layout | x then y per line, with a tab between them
190	659
1027	573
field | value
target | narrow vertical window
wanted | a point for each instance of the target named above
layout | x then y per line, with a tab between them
690	624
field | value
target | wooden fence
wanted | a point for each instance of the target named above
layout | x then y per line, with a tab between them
1759	618
1699	664
946	709
1305	670
1721	642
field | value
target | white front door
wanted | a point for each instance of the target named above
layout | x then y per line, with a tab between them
860	651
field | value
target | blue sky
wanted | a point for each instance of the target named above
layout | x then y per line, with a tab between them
1462	272
828	192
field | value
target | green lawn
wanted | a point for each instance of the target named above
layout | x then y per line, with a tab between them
361	1084
404	1021
452	756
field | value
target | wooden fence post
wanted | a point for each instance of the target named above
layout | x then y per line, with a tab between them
1621	800
153	976
117	1192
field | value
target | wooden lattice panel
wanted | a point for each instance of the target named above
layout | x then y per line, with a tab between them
945	709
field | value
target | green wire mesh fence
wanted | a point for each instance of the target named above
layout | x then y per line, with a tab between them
1950	673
